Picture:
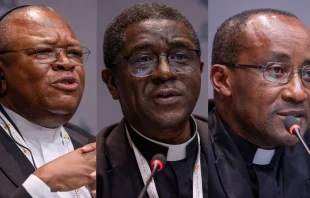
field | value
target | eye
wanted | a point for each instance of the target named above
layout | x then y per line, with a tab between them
74	53
44	51
180	56
144	58
277	69
141	59
306	74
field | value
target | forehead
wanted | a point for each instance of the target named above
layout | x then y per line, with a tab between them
270	36
36	26
157	34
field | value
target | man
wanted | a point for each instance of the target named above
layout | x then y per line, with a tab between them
260	70
153	67
42	82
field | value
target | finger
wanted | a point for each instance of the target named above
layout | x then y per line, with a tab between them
93	175
92	189
93	193
88	147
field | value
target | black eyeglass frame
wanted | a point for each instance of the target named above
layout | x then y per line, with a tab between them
263	67
198	52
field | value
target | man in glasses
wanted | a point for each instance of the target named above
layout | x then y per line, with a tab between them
42	82
260	74
153	67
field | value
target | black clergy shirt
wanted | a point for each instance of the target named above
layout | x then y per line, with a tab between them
176	179
266	179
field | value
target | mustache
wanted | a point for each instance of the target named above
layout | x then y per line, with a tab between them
168	85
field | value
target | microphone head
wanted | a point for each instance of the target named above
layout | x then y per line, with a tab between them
291	123
159	159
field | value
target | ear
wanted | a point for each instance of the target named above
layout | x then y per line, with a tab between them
3	84
201	65
220	79
109	79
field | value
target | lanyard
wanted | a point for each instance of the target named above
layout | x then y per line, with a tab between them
5	123
146	171
8	127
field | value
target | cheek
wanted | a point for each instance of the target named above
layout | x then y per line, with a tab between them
192	83
131	92
81	75
29	79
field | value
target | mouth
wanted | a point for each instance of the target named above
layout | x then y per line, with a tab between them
166	95
67	83
298	114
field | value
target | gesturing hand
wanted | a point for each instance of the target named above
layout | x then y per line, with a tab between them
70	171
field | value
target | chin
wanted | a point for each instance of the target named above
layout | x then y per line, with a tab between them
60	111
171	121
289	141
63	108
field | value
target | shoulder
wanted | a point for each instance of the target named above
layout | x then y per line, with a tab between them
110	131
201	118
202	122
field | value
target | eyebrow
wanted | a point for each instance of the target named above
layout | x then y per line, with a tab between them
280	55
306	62
181	43
142	46
173	44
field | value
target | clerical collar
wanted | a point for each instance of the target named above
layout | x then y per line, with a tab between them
31	130
149	147
250	152
263	157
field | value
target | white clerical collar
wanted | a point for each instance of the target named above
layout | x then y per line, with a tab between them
31	130
263	157
175	151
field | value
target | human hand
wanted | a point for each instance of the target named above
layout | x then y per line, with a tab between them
89	147
92	187
70	171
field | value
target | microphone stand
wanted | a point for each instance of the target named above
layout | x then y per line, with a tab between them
302	140
156	166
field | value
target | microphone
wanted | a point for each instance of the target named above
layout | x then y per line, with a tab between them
157	164
292	126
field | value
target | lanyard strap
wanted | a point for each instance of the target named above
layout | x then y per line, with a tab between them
146	171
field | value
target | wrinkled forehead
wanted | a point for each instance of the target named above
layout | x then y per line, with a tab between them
37	24
157	32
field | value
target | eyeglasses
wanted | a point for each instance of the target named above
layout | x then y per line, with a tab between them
49	53
144	64
278	72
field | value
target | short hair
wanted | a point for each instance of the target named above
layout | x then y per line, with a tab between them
229	38
114	35
6	19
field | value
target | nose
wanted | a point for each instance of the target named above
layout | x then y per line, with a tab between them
164	71
294	90
62	61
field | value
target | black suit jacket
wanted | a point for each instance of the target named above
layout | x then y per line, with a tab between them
15	168
117	170
228	174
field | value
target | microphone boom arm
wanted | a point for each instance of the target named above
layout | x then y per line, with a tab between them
296	132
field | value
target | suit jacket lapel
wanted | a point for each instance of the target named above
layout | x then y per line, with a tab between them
229	163
124	171
203	133
13	161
